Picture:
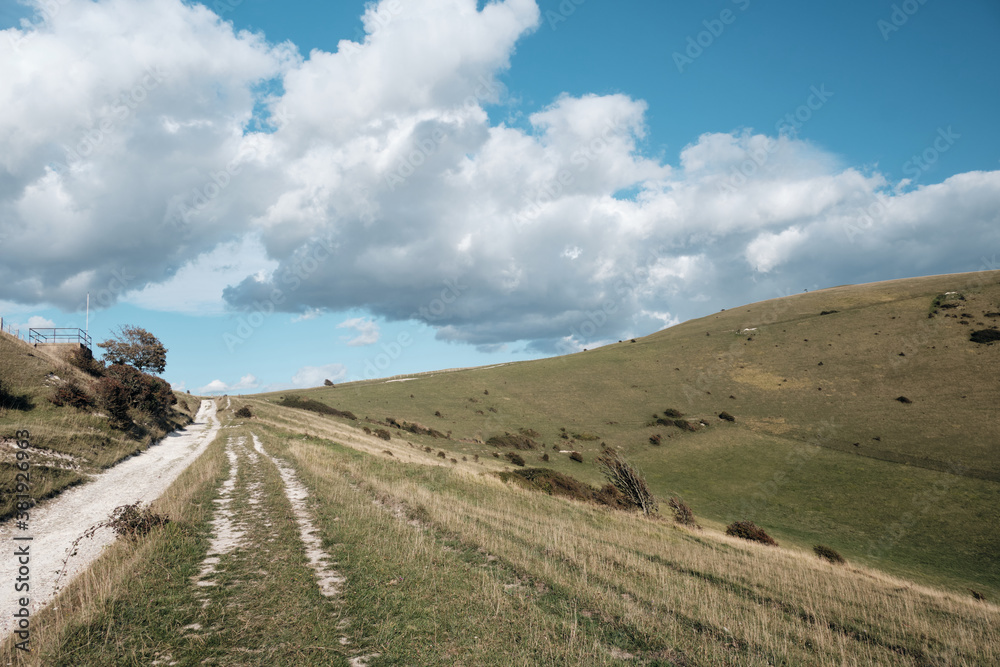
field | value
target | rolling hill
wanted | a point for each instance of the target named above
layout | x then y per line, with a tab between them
864	418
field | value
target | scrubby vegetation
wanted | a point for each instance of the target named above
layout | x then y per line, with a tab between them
629	481
316	406
71	393
559	484
750	531
726	416
682	513
828	553
576	456
514	458
244	412
985	336
514	440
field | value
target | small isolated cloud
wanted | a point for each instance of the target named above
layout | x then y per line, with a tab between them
368	332
179	386
313	376
310	314
34	322
248	381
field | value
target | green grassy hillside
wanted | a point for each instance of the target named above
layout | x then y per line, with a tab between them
821	449
67	443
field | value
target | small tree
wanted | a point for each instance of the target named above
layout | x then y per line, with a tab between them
136	347
627	479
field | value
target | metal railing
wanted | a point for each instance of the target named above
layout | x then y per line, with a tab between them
59	335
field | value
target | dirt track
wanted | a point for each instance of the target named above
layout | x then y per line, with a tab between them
54	525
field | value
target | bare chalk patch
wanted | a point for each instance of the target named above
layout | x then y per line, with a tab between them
226	535
328	579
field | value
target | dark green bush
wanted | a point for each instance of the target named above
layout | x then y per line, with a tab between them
728	417
244	413
512	440
685	425
70	393
514	458
673	414
113	398
749	531
682	513
985	336
828	553
316	406
576	456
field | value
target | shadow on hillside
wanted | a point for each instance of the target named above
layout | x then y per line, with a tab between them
10	401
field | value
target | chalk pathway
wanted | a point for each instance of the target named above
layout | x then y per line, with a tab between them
54	525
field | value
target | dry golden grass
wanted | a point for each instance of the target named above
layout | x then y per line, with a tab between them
718	600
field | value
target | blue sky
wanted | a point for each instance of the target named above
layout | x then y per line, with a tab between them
470	185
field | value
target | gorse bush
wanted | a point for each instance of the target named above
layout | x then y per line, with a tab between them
576	456
749	531
514	458
682	513
113	398
383	433
828	554
244	413
514	440
70	393
557	484
144	392
316	406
